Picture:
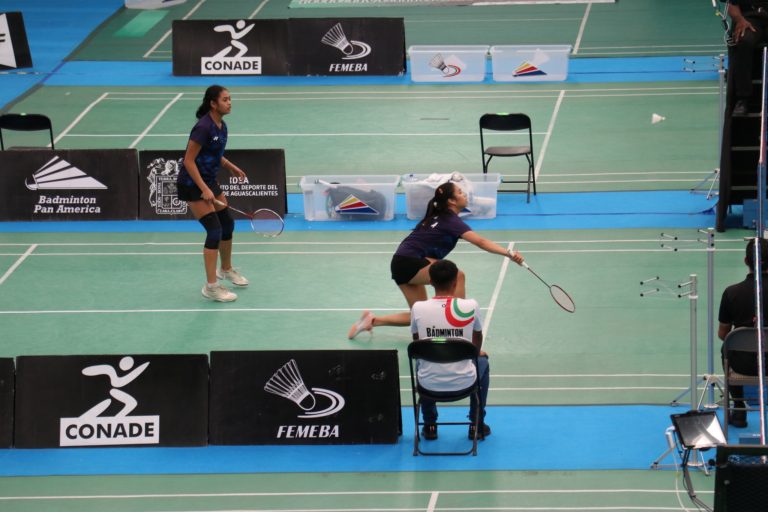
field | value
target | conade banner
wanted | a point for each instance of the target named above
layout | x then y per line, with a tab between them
299	47
111	400
14	47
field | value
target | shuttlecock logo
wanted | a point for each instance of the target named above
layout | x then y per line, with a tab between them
353	205
287	382
445	66
238	64
58	174
350	48
93	429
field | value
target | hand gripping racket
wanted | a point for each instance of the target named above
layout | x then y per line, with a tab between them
263	221
561	297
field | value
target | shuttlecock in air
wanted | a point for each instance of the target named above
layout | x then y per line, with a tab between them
656	118
336	37
287	383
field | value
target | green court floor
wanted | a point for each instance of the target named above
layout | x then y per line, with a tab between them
587	137
140	293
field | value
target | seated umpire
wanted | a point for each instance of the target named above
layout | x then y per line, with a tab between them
749	29
737	309
448	316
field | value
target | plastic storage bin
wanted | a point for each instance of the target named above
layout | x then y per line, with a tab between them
349	197
481	190
448	63
545	63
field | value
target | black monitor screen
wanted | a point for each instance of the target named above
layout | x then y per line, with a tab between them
698	429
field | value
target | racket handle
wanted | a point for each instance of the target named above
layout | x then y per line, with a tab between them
220	203
525	265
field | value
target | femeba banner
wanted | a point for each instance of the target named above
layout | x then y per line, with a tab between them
304	397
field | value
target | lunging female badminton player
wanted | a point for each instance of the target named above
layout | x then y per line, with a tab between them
433	238
198	186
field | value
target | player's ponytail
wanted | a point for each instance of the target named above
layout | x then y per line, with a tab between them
438	205
211	94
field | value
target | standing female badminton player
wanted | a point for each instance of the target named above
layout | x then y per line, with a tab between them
197	185
431	240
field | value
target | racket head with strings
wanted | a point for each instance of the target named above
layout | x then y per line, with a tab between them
562	298
266	222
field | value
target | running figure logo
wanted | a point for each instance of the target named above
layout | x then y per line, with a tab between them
223	63
92	429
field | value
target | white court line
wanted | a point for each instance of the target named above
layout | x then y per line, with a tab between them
583	25
258	9
17	263
187	310
496	291
155	120
550	128
340	493
233	135
491	20
168	34
80	116
432	505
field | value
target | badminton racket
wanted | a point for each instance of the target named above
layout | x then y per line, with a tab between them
558	294
263	221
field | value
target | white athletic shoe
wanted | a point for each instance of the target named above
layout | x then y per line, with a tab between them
218	292
364	324
233	276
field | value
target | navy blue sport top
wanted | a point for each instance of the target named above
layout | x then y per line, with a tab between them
436	239
212	140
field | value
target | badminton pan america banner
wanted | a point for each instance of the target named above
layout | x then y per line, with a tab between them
111	400
299	47
304	397
77	184
264	186
6	402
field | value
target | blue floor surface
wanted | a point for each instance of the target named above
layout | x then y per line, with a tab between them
524	438
584	210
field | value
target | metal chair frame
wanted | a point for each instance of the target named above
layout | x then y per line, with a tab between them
442	350
742	339
25	123
509	123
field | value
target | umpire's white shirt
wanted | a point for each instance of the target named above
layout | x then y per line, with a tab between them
445	317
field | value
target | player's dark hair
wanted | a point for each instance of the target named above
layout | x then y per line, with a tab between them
211	94
438	205
442	274
750	254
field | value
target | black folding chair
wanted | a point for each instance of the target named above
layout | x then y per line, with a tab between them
25	123
509	123
442	350
740	343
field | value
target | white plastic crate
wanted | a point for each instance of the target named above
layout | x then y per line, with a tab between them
462	63
481	189
349	197
544	63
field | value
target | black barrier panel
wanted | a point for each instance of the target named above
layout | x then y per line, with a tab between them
230	47
6	402
76	184
305	397
347	46
109	400
14	48
265	186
